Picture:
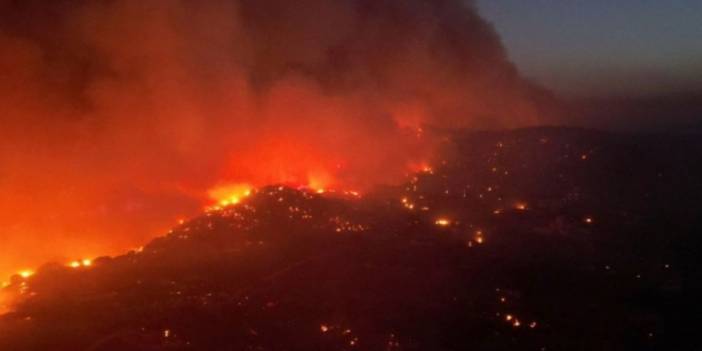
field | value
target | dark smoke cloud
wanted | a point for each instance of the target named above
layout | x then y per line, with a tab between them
117	116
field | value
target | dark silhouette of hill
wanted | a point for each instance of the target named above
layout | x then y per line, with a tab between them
536	239
680	111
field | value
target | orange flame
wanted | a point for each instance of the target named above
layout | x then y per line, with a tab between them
230	194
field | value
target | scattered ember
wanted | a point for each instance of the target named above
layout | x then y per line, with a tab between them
80	263
443	222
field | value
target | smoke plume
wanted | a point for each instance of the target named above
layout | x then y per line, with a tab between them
118	116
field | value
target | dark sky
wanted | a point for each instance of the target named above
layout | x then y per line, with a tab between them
603	47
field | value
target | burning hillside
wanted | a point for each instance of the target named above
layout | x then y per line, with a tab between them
138	110
309	175
503	244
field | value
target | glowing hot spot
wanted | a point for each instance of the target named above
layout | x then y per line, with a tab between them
443	222
26	273
230	194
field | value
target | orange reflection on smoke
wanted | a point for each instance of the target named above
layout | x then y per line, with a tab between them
276	159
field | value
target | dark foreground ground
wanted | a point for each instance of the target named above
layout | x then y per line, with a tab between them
552	239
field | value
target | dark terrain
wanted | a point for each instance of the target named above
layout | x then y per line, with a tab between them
554	239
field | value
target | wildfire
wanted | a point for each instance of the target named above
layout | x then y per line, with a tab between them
420	167
443	222
26	273
319	182
479	238
81	263
407	204
230	194
515	322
